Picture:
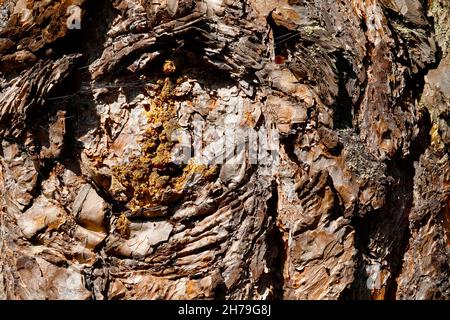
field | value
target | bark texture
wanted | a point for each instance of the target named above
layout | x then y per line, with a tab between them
349	198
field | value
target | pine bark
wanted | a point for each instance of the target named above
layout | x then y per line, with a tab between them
322	170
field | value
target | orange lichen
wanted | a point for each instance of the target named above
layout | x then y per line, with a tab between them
169	67
123	226
152	178
202	171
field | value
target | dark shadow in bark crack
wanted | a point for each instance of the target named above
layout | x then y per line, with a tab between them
343	107
388	227
404	171
277	256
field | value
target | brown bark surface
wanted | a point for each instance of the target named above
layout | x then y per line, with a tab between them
317	136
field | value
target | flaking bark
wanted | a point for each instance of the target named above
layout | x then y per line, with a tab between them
336	184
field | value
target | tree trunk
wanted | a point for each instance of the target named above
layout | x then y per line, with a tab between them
239	149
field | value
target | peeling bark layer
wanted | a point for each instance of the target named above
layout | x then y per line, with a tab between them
180	149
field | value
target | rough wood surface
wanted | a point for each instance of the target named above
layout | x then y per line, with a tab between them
317	136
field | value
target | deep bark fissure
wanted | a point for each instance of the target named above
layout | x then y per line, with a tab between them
400	195
358	290
343	107
275	242
366	62
404	170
